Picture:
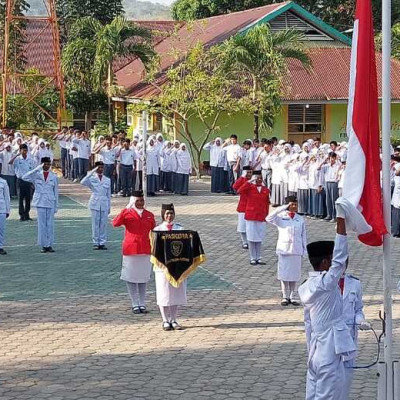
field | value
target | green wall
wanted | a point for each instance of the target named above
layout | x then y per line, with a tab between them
336	120
240	125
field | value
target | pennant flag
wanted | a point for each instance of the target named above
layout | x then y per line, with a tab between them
362	179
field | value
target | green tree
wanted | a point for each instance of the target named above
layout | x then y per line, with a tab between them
395	41
68	11
198	87
261	56
338	13
17	36
88	59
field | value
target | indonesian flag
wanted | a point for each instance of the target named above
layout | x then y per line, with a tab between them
361	185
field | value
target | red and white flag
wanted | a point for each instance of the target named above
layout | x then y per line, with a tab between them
362	179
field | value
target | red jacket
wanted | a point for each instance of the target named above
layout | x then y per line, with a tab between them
257	206
241	208
137	231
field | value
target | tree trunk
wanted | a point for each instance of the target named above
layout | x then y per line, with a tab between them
256	124
198	157
110	107
88	120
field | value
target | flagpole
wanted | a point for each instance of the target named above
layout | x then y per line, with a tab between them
386	130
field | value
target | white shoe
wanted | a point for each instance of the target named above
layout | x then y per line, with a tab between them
75	180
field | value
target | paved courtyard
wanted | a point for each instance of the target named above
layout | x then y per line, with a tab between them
67	332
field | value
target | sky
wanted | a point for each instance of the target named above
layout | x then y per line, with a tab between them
167	2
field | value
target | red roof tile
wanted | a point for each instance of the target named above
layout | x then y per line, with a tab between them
328	79
208	31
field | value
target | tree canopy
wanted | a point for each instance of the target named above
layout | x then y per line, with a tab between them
338	13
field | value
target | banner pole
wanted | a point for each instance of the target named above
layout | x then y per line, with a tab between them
144	137
386	130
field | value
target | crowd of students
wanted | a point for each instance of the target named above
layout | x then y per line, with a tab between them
168	164
313	172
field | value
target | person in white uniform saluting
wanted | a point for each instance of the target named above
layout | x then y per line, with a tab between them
291	247
99	203
329	340
4	212
353	314
45	199
169	298
136	266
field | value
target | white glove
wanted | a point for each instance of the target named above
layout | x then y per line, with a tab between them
93	170
365	326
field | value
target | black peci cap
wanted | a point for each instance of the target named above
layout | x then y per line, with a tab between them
45	159
137	193
290	199
323	248
256	172
247	168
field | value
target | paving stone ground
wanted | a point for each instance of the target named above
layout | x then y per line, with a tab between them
66	330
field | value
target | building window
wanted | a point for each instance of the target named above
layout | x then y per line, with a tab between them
305	118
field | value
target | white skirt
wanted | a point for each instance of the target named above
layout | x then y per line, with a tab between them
241	226
136	268
166	294
256	231
289	268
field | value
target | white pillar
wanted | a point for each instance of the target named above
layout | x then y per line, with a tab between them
396	380
381	381
386	130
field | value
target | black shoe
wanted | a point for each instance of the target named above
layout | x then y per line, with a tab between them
253	262
143	310
166	326
96	247
285	302
136	310
28	219
22	219
44	250
259	262
3	252
245	246
102	247
295	303
50	250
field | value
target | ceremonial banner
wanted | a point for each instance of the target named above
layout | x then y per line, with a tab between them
176	253
362	179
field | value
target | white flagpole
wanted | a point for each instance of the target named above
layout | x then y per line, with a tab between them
144	137
386	130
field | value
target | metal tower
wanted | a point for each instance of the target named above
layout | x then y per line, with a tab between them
42	43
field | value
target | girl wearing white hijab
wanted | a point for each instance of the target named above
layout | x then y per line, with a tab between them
169	298
166	173
152	167
174	165
184	169
136	249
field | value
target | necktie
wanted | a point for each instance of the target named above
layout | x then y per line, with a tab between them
46	175
169	227
341	285
292	214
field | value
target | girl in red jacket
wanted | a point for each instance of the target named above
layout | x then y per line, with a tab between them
241	208
257	208
136	266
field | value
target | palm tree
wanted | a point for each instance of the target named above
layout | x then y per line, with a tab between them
102	45
260	55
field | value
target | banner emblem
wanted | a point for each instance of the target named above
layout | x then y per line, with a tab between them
176	248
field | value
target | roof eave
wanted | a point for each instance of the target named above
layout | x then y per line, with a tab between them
307	16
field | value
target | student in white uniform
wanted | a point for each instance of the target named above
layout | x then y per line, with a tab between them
396	200
169	298
215	149
152	167
166	184
127	157
184	169
4	212
353	314
99	203
7	169
45	199
108	154
329	340
330	171
291	247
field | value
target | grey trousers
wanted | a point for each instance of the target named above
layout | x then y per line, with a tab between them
99	227
332	194
45	219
